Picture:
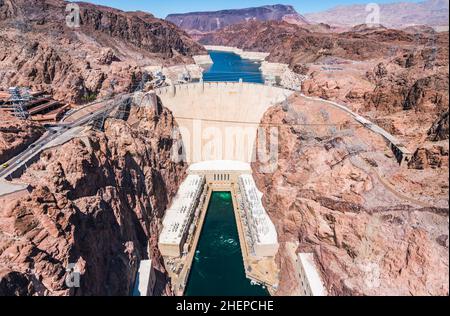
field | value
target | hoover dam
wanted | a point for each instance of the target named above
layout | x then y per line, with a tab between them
211	219
219	120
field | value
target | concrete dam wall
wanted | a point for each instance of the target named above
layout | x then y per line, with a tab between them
219	120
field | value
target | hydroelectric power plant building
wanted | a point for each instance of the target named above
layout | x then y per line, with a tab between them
262	235
180	219
184	221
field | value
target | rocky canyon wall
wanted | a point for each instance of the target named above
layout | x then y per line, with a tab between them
396	78
96	202
106	54
375	228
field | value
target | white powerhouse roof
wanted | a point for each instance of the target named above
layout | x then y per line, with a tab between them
220	165
266	232
312	274
178	215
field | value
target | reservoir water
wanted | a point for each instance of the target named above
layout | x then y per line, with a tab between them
231	67
218	268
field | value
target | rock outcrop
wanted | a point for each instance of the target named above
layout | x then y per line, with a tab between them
105	54
439	130
97	203
431	156
16	135
375	228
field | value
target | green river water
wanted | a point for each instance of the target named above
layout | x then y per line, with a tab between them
218	268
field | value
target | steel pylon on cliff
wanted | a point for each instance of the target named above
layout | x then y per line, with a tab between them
18	102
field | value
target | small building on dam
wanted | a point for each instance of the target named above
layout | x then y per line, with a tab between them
181	217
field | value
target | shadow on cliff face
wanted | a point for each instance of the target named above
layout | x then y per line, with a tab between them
108	235
161	284
96	206
111	248
113	237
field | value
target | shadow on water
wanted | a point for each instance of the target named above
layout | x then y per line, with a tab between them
218	268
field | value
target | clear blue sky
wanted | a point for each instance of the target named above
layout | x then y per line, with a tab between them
161	8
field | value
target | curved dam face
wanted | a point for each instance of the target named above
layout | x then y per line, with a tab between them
219	120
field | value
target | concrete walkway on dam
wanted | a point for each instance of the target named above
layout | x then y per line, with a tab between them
219	120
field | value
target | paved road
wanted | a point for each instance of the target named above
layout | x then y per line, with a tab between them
51	135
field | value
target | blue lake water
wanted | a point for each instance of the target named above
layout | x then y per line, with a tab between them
231	67
218	267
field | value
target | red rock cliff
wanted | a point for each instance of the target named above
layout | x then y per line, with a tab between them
375	228
105	54
97	202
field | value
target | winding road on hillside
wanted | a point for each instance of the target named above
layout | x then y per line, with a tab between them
61	132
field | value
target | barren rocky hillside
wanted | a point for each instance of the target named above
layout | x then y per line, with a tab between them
375	228
205	22
105	54
16	135
398	14
95	202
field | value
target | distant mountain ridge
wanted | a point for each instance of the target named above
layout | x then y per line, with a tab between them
204	22
394	15
108	52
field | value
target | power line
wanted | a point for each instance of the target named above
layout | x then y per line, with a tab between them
267	124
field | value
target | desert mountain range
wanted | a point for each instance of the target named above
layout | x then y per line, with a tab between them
212	21
394	15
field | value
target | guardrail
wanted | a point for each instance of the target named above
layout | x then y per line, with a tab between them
214	84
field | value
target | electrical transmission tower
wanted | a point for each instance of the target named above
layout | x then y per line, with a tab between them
18	102
123	107
145	78
123	112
